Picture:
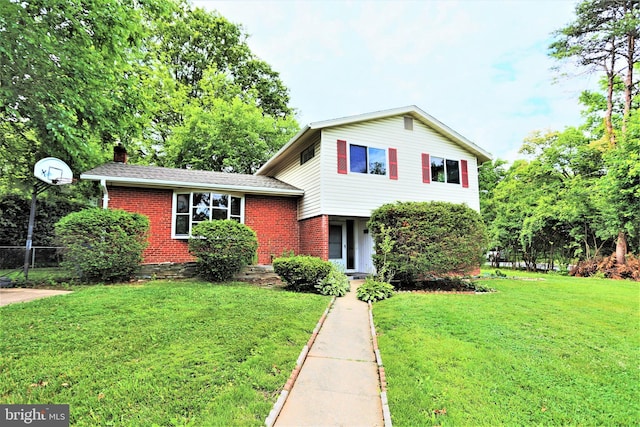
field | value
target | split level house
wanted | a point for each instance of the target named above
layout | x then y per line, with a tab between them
314	196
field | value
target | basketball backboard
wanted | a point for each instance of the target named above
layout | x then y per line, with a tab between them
53	171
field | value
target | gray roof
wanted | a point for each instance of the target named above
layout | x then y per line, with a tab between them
153	176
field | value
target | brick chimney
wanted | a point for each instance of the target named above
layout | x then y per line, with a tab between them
119	154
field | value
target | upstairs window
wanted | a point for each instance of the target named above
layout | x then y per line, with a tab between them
367	160
445	170
307	154
192	208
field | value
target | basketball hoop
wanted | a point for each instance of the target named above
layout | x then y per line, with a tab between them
50	171
53	171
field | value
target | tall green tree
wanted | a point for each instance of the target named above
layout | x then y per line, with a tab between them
546	207
69	76
620	187
224	131
604	38
198	49
490	174
196	40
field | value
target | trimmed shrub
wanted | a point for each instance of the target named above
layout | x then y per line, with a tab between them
429	239
336	283
301	272
222	248
103	245
372	290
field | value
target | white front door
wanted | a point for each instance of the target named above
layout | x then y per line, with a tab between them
338	243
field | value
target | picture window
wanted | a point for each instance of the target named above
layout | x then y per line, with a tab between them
193	208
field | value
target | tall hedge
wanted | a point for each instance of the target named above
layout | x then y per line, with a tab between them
430	239
103	245
222	248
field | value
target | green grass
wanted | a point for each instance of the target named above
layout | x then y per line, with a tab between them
544	350
160	353
48	277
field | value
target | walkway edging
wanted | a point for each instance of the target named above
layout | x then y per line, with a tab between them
386	413
277	407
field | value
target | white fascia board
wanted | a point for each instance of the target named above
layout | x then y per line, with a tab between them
142	182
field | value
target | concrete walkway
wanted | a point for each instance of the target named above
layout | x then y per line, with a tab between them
13	295
338	384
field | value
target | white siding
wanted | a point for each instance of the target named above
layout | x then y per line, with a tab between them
305	177
356	194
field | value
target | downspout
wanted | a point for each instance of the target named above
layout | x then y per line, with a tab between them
105	193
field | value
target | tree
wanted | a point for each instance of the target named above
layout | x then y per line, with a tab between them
196	40
207	68
620	188
547	207
490	174
222	132
69	76
603	36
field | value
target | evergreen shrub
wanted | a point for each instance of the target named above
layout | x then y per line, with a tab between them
429	239
103	245
222	248
302	272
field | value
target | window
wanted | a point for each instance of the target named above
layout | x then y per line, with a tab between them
367	160
444	170
192	208
453	172
437	169
307	154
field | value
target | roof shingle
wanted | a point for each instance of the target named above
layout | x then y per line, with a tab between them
123	173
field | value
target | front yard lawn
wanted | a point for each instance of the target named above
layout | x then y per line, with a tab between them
160	353
548	350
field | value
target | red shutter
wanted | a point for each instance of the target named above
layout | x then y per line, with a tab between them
393	163
426	168
465	174
342	156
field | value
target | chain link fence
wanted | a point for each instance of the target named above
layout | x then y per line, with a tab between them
12	257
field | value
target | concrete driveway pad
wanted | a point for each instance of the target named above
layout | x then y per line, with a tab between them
14	295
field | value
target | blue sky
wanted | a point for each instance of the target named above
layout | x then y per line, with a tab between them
479	66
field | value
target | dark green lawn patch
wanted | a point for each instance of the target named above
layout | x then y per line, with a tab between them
543	350
159	353
41	277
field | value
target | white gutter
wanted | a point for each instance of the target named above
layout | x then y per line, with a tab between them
105	193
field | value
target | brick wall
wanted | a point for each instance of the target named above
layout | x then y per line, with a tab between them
275	221
314	236
156	204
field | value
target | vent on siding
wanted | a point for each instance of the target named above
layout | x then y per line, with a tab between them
408	123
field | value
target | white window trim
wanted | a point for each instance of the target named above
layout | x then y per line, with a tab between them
174	203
